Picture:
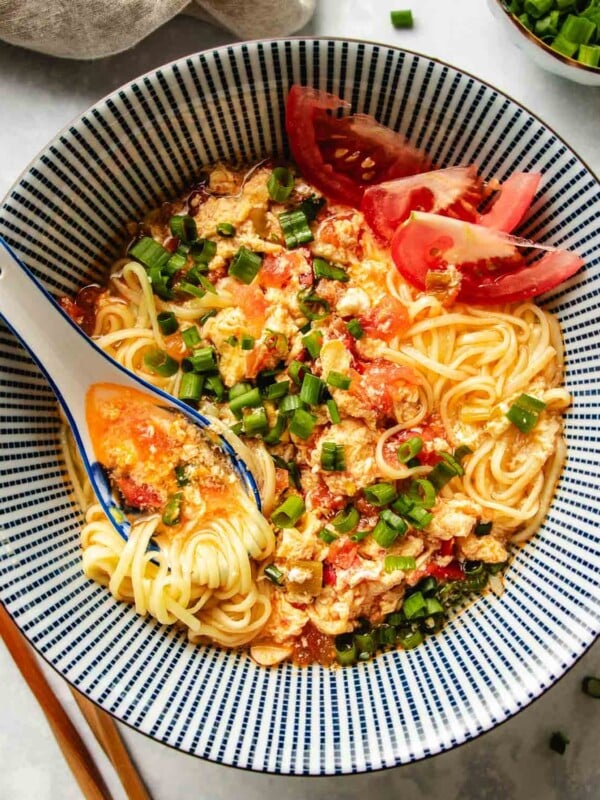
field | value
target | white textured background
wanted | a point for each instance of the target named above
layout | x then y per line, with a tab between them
40	95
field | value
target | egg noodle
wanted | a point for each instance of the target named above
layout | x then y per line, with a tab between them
451	373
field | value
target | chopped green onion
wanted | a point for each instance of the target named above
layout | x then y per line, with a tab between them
413	605
149	253
494	569
181	476
433	606
167	322
295	228
461	452
313	342
274	574
537	8
247	342
214	385
564	46
289	512
311	389
276	390
323	269
526	21
428	586
345	649
410	639
249	399
189	288
245	265
355	329
275	340
328	536
419	517
274	435
210	313
393	563
346	520
238	428
547	27
184	227
338	380
530	403
577	29
393	521
239	389
312	305
409	449
311	207
360	535
333	457
522	419
202	360
444	471
403	504
207	285
482	528
422	492
364	637
384	535
190	389
558	742
395	618
334	414
380	494
280	184
226	229
232	341
589	55
302	423
402	19
161	363
385	634
203	251
297	370
591	686
172	510
256	422
290	403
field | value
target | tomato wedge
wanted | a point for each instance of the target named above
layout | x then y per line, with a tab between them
491	263
511	205
453	192
341	156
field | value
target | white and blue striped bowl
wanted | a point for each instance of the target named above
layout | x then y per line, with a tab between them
66	217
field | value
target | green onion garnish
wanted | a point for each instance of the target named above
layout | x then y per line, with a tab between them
409	449
238	389
245	265
226	229
280	184
346	520
355	329
149	253
360	535
524	412
410	639
334	413
256	422
302	423
210	313
247	342
482	528
161	363
338	380
289	512
290	403
323	269
172	510
276	390
422	492
380	494
311	206
311	389
384	535
364	636
203	251
203	359
274	574
313	342
274	435
190	389
297	370
295	228
189	288
345	649
413	605
184	227
333	457
393	521
392	563
419	517
589	55
402	19
312	305
591	686
214	385
167	322
328	536
181	476
249	399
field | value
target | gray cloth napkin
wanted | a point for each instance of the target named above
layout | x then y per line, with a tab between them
96	28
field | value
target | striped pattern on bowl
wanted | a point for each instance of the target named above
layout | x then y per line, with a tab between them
66	216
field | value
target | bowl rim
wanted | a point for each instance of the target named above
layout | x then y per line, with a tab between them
553	680
535	40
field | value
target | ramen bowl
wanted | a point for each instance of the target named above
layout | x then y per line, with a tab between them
66	216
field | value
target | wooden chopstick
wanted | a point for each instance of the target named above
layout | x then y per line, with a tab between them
109	738
74	750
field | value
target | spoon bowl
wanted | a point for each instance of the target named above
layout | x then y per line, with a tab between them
72	364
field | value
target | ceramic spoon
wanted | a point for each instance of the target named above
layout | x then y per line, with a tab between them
73	364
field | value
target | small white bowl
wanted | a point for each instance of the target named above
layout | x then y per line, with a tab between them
543	55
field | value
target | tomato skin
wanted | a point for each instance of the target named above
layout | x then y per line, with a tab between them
139	495
386	320
516	195
452	572
325	147
454	192
329	576
377	383
493	269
